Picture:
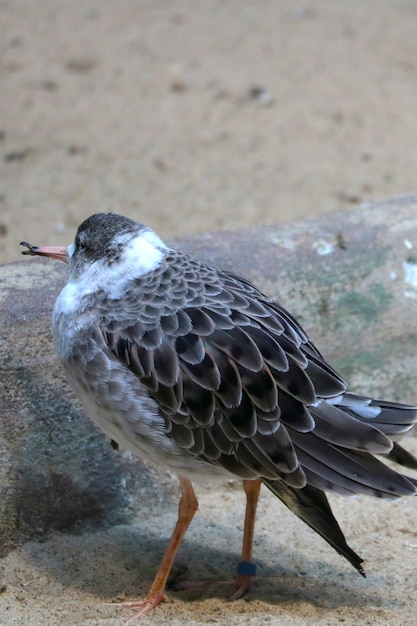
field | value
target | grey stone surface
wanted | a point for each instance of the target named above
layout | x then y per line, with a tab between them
350	278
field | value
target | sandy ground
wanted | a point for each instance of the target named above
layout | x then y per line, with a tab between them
200	115
194	116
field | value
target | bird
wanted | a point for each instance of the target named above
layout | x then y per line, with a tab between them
196	370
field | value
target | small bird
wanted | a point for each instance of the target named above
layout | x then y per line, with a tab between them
196	370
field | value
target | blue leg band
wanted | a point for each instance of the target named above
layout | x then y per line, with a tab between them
246	568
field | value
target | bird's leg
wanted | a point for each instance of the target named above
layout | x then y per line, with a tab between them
246	569
187	507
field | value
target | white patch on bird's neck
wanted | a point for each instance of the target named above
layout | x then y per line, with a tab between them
139	256
144	253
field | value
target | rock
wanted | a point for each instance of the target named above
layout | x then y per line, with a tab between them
350	278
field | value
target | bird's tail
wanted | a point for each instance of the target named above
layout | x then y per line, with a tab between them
343	452
391	418
340	455
311	505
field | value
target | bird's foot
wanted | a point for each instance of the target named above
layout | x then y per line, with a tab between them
244	580
243	584
142	607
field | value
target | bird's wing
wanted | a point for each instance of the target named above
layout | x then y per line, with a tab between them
240	385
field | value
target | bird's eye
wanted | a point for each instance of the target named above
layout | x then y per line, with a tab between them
79	244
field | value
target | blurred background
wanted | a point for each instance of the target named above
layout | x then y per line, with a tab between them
200	115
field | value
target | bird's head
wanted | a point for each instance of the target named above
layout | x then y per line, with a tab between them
107	247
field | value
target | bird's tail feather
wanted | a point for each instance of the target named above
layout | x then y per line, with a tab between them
403	457
391	418
311	505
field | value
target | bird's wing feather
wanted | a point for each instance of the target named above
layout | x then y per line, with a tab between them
240	384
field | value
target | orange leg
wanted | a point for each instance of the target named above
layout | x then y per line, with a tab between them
244	580
187	507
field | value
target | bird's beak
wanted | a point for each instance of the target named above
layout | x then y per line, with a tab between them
54	252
